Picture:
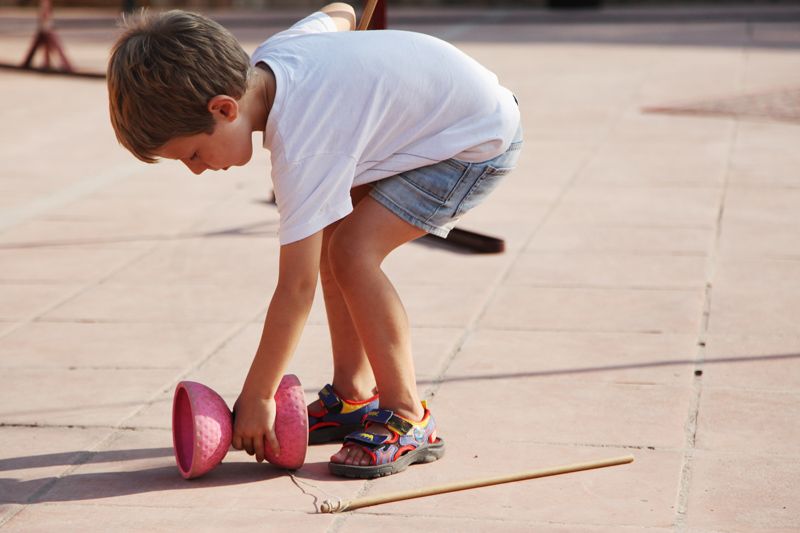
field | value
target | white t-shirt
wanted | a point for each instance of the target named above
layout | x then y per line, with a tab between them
355	107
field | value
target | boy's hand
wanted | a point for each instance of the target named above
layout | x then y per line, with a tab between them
342	14
254	425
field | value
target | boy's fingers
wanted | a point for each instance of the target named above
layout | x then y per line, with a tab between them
259	446
236	442
272	442
248	446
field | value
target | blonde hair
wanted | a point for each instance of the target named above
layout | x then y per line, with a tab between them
162	73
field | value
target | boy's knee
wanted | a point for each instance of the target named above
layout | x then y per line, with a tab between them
326	272
347	260
340	260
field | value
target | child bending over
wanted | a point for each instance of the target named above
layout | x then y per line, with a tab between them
376	138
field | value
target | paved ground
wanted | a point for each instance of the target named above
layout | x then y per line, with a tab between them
647	303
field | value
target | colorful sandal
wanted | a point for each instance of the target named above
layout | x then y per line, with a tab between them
411	442
336	417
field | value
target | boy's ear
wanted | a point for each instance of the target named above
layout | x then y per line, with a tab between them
224	107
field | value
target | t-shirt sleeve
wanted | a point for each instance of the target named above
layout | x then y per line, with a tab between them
317	22
312	193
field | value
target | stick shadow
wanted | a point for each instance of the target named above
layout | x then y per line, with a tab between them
612	368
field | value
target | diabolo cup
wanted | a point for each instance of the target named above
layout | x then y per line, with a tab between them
202	427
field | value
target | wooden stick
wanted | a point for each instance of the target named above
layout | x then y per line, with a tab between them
366	17
329	506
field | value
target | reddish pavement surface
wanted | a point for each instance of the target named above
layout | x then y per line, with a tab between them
647	302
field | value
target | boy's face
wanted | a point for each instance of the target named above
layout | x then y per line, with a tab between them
230	144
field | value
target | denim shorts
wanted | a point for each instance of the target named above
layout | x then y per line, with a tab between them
434	197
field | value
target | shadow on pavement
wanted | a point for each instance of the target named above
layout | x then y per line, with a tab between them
82	457
100	485
267	228
611	368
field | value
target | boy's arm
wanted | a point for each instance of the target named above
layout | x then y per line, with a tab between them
342	14
286	316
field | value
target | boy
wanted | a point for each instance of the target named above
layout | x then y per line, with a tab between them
375	138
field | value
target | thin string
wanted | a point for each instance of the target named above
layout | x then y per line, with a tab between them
333	503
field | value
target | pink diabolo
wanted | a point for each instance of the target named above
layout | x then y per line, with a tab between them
202	427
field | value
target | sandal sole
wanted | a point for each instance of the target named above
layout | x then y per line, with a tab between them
427	454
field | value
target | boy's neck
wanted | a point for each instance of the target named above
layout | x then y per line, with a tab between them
256	102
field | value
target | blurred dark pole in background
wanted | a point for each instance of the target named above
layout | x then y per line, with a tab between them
574	4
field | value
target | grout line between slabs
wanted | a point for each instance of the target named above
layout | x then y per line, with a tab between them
691	424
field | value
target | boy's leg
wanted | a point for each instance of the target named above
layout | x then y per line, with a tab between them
358	247
352	374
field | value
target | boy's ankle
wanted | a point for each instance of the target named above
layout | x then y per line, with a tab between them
354	393
414	415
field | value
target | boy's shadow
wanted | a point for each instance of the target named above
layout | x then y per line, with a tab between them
97	485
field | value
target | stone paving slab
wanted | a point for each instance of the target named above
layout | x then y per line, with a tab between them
683	207
742	311
664	164
760	150
591	498
48	517
608	270
155	303
756	362
622	414
76	263
21	301
35	457
720	428
743	492
639	240
489	355
586	309
73	345
39	397
506	525
645	303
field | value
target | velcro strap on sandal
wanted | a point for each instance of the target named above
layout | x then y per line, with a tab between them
390	420
329	398
367	438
